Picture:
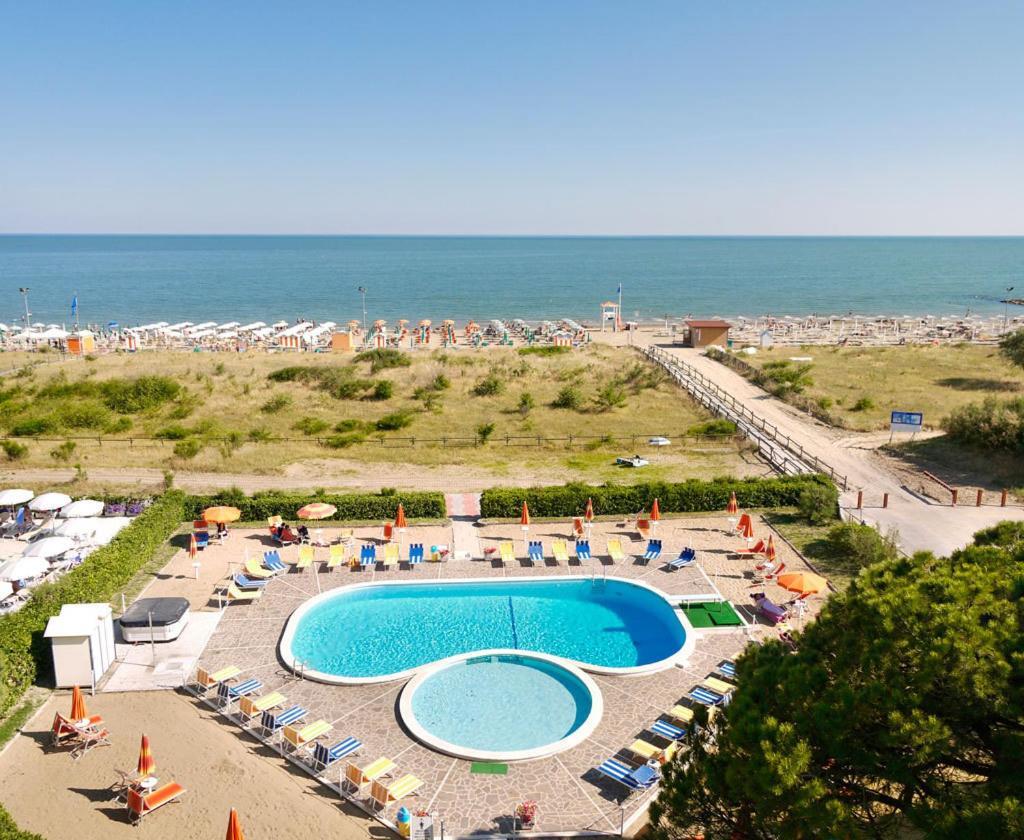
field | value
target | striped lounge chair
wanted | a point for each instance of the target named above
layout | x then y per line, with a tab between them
582	550
227	693
653	551
634	779
415	554
271	723
324	756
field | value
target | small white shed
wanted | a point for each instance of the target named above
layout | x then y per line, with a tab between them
82	638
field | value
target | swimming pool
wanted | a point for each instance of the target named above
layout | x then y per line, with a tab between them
380	631
501	706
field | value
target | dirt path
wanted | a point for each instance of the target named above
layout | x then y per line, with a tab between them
922	524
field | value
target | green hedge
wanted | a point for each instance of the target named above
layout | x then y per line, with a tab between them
9	829
351	506
23	652
685	497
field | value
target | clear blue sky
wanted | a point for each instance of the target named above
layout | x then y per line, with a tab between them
483	117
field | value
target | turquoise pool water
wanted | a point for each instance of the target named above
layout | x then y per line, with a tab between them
467	704
380	630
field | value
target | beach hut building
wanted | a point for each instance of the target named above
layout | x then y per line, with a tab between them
82	639
707	333
562	339
342	342
81	342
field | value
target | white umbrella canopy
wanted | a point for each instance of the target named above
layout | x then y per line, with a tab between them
83	507
49	501
15	496
49	547
23	568
76	528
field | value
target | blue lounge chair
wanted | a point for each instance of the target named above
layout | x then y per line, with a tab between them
685	558
228	693
367	556
271	723
202	539
633	778
667	730
728	669
272	561
17	525
653	550
415	553
707	696
582	550
324	756
535	551
245	582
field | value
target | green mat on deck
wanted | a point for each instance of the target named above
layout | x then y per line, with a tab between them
488	768
711	614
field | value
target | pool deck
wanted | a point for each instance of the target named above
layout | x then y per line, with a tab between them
571	796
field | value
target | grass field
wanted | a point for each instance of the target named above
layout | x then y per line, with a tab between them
224	413
930	379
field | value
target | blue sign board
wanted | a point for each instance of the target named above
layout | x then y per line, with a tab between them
906	421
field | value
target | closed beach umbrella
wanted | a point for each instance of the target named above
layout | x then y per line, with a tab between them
193	546
221	514
49	501
747	528
234	827
147	764
732	508
524	520
81	508
588	514
317	510
49	547
655	511
78	710
400	522
769	551
76	528
15	497
24	568
803	583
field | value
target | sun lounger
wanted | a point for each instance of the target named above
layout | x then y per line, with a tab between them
706	696
337	556
272	561
727	669
347	536
64	731
202	540
415	554
560	551
653	551
535	551
582	550
324	756
615	550
306	557
744	520
228	693
771	611
246	582
271	723
719	686
249	707
88	740
391	555
299	738
667	730
204	679
255	571
643	527
387	532
358	777
506	552
577	527
686	557
242	595
649	752
140	804
274	521
633	778
768	572
383	795
758	548
367	556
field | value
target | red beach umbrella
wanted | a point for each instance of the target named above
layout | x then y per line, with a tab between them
78	710
747	529
655	511
147	764
524	520
193	547
400	522
588	514
769	551
234	827
732	508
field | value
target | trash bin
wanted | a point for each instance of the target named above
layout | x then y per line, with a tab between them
402	820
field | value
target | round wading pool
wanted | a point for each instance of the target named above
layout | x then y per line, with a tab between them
501	705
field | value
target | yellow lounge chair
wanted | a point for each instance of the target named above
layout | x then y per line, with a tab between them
684	714
649	752
298	738
615	550
254	569
306	557
347	536
384	795
506	552
251	707
391	555
560	551
719	686
274	521
205	679
244	595
358	777
337	557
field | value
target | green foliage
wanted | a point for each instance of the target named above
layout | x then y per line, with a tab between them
118	424
260	434
383	390
356	507
63	452
187	449
277	403
688	496
340	382
783	376
610	396
33	427
394	421
175	431
899	714
1011	346
545	350
818	503
24	652
13	450
9	828
484	431
490	386
569	397
310	425
526	403
81	414
344	441
129	396
713	428
384	358
991	425
353	425
852	546
864	403
441	383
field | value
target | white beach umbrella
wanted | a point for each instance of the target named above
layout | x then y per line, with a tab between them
16	496
48	547
49	501
255	325
76	528
23	568
83	507
279	324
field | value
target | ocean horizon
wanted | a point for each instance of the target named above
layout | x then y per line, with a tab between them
137	278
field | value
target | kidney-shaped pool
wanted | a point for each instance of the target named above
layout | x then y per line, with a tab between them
381	631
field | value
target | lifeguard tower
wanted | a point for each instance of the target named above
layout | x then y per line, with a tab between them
610	313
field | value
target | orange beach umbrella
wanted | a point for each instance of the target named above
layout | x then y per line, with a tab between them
769	550
193	546
316	510
222	514
234	827
78	710
803	583
400	522
524	520
147	764
588	514
732	507
655	511
746	528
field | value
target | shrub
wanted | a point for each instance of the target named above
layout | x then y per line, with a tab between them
33	427
818	503
278	402
353	425
187	449
260	434
13	450
854	546
310	425
526	403
64	451
545	350
128	396
610	396
711	428
358	507
688	496
344	441
484	431
441	383
569	397
785	377
384	359
173	432
383	390
339	382
863	404
118	424
989	425
9	828
489	386
394	421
